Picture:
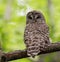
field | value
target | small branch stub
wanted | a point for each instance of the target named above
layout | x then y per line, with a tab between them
2	57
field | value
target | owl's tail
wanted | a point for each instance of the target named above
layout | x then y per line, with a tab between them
33	50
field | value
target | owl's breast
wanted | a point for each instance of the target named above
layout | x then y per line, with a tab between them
37	28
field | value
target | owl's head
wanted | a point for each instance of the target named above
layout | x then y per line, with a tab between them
35	16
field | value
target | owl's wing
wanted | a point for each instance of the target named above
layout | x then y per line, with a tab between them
46	35
44	29
25	35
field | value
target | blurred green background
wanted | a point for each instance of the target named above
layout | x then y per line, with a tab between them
13	21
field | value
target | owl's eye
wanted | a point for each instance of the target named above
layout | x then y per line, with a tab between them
29	17
38	17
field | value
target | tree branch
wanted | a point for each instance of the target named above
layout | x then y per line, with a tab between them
18	54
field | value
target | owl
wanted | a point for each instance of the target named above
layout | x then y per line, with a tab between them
36	34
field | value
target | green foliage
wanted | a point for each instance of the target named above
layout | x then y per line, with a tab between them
12	29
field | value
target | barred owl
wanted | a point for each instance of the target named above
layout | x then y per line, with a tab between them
36	34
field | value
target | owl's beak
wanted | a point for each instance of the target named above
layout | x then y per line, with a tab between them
34	21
